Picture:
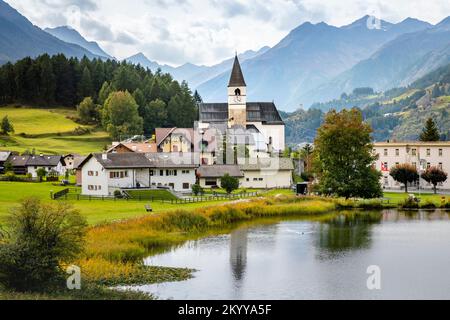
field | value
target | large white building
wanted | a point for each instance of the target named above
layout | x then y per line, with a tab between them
262	119
103	174
420	154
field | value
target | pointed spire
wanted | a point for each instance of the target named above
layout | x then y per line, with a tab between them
237	78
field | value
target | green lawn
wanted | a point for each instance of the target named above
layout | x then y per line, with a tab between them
149	194
48	131
399	197
95	211
38	121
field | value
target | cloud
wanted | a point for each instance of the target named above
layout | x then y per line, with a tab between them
208	31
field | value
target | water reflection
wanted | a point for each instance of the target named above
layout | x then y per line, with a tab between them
238	253
345	232
317	259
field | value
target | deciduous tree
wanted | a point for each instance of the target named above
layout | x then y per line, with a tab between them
404	173
434	175
343	157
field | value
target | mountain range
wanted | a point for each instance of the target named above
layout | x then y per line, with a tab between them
313	63
67	34
19	38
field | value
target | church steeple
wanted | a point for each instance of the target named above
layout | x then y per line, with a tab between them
237	96
237	78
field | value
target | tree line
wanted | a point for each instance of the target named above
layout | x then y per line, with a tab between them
58	81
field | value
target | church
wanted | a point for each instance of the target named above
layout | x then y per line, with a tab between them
262	119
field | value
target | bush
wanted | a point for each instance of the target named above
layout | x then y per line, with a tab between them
409	203
446	205
229	183
428	205
41	238
197	189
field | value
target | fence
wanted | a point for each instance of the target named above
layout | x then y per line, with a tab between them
67	195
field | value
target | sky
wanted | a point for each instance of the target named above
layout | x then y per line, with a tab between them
208	31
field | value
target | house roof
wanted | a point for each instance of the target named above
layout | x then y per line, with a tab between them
77	161
266	164
44	161
133	160
218	171
19	161
265	112
4	155
237	78
173	160
120	160
162	133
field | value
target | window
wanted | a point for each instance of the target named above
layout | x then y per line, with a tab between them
171	173
211	182
440	165
237	92
185	186
440	152
414	152
386	166
385	152
90	173
94	187
428	165
261	179
185	172
397	163
161	173
428	152
118	174
386	181
414	164
247	179
152	173
397	152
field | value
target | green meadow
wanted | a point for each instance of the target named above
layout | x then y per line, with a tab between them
50	131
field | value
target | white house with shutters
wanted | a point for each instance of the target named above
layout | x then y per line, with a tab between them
103	174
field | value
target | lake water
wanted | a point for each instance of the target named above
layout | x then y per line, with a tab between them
327	259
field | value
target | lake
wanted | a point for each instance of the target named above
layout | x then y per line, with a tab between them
321	259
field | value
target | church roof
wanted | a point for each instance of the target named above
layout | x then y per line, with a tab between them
237	78
265	112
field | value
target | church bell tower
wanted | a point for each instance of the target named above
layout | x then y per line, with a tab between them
237	96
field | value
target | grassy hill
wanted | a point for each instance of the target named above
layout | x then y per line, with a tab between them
50	131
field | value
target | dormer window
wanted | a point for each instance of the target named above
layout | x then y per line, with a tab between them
237	92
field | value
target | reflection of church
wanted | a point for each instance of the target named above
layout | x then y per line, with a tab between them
238	253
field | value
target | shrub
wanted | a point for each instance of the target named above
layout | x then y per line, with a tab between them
229	183
428	205
197	189
118	194
41	238
409	203
446	205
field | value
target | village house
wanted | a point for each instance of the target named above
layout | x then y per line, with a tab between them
144	147
174	139
4	155
422	155
266	173
103	174
30	164
210	176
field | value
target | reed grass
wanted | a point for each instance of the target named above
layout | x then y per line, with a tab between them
114	252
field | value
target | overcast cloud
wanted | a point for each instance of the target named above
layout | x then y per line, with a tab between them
208	31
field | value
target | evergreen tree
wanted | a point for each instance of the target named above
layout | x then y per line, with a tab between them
155	115
430	132
104	93
6	126
85	87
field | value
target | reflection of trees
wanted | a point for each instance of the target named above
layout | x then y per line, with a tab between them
238	253
347	231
